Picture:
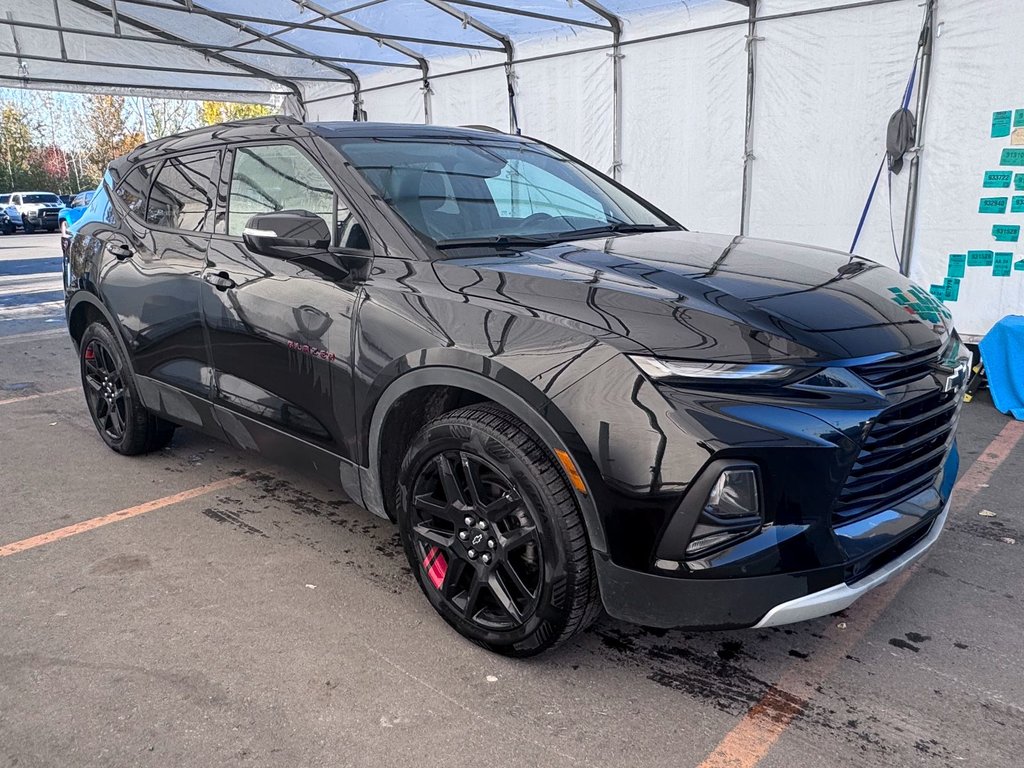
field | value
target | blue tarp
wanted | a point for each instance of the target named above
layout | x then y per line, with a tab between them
1002	352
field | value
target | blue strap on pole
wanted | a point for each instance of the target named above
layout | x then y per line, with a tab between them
907	93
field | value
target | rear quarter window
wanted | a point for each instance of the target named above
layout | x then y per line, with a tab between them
134	189
182	194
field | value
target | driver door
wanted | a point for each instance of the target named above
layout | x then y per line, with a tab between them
280	330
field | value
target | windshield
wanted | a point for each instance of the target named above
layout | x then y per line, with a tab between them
40	199
460	191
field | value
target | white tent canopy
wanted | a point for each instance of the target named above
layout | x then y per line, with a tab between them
767	120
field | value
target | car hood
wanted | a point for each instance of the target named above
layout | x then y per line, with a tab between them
711	297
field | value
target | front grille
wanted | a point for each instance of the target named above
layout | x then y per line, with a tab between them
904	452
897	371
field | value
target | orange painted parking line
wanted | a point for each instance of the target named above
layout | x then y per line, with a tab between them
23	398
749	741
114	517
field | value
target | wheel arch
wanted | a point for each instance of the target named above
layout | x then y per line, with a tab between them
435	389
85	308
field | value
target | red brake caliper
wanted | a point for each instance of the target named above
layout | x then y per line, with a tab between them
436	567
89	354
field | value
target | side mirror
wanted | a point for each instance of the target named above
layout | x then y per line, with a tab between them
286	234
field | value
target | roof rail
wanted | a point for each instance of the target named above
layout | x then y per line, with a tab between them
488	128
266	120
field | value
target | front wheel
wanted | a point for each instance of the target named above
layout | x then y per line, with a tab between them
493	532
122	420
28	226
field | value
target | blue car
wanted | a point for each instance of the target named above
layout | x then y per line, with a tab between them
74	211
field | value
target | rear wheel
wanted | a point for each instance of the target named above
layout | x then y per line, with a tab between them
122	420
493	533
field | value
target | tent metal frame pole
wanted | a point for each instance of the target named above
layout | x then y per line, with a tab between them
22	66
913	186
200	47
534	14
506	43
615	26
163	34
421	61
60	33
138	86
748	123
226	16
352	77
145	67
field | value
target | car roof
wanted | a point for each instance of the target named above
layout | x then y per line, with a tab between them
213	136
340	129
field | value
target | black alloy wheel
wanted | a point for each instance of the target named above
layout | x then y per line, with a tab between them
104	389
122	420
493	532
477	538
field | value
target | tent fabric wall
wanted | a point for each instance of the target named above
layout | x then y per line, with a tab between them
958	148
683	135
826	85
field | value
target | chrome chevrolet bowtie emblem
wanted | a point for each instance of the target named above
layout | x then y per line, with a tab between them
956	379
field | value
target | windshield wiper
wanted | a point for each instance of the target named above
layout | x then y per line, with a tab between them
549	238
616	228
499	241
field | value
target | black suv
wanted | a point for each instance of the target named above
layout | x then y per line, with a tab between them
564	398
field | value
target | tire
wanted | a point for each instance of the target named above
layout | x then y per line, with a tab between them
122	421
505	559
27	226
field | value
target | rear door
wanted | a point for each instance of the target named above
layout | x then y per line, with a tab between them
153	268
281	329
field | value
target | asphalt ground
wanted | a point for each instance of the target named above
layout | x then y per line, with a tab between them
239	614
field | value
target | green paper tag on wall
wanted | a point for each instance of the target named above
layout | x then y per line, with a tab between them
1003	263
997	179
1006	233
1018	181
1017	206
1001	123
957	262
1012	156
952	288
996	205
979	258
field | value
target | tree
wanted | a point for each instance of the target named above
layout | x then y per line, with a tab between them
107	132
50	165
213	112
16	134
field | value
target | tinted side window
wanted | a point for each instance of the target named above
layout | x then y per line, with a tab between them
182	195
135	187
276	178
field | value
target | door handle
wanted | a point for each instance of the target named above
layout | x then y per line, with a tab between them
120	251
219	280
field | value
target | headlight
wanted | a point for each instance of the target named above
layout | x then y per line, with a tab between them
658	368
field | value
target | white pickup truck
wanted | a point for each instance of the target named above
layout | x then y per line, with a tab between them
32	210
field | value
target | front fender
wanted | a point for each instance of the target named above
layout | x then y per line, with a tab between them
502	385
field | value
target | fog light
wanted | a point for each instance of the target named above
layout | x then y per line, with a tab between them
710	542
734	495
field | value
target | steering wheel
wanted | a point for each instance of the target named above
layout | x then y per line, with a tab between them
532	219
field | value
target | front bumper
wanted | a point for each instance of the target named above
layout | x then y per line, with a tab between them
757	601
834	599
